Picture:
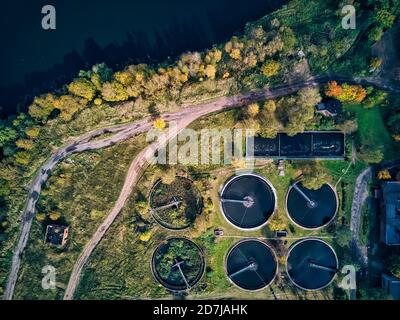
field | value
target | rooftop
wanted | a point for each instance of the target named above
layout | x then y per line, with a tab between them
56	234
329	107
391	286
390	224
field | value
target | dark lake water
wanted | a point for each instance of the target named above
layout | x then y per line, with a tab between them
33	60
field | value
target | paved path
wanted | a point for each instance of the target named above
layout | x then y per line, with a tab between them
361	193
83	143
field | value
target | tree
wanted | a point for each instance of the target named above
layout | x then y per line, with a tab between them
146	236
24	144
7	135
313	176
371	154
169	176
333	89
4	188
270	68
42	107
288	38
308	97
385	18
252	110
270	127
54	216
40	217
345	92
270	106
159	124
376	34
114	91
32	132
22	158
213	56
276	224
384	175
235	54
343	236
124	77
348	126
82	87
69	105
210	71
274	46
375	98
189	63
375	63
298	119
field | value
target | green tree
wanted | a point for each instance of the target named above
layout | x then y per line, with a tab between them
375	34
343	236
7	135
385	18
270	68
313	176
308	97
4	188
371	154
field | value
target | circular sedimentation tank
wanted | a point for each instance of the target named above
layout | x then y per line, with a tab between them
311	209
248	201
311	264
175	206
178	264
251	265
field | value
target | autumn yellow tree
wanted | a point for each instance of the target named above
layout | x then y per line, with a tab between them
345	92
24	144
159	124
384	175
82	87
32	132
40	217
252	110
210	71
54	216
276	224
235	54
270	68
270	106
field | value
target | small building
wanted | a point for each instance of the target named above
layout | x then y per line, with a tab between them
56	235
391	285
329	108
218	232
281	234
390	220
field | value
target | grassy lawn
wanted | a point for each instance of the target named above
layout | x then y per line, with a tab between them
372	129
